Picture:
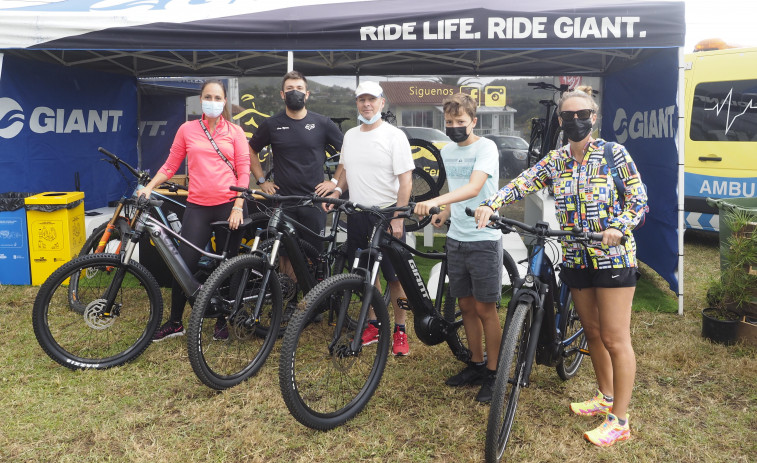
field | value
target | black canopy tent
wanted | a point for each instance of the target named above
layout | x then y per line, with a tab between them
369	37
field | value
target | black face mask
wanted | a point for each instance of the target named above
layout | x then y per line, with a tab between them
577	129
457	134
294	100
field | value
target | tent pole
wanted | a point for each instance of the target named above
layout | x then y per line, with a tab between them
290	61
681	137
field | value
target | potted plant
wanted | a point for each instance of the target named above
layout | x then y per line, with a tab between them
733	297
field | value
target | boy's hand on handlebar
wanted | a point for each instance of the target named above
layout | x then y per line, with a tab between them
145	191
481	215
423	208
612	237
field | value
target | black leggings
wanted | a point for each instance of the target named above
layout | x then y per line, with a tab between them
195	227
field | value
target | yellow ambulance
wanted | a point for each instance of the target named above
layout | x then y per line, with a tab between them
721	130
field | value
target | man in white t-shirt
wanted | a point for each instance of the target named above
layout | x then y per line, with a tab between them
378	168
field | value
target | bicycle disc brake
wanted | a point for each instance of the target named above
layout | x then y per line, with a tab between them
343	357
93	315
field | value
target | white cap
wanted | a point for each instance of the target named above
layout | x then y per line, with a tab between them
369	87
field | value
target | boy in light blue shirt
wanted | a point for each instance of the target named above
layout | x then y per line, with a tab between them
474	255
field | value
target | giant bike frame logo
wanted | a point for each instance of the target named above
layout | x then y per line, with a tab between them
654	123
56	120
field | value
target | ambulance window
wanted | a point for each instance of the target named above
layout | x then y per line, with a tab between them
725	111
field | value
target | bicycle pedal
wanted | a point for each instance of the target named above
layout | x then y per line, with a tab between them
403	304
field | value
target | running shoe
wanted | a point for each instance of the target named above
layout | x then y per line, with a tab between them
471	374
487	386
609	432
597	405
370	334
400	346
168	330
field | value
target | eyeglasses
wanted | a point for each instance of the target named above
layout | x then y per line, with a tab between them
583	114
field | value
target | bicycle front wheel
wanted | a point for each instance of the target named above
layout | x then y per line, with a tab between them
227	340
510	368
324	382
90	334
113	246
568	365
457	340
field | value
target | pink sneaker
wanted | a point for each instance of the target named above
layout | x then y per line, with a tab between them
597	405
609	432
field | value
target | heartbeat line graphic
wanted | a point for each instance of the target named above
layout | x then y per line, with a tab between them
727	103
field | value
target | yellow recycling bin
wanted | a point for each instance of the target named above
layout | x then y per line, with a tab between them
56	231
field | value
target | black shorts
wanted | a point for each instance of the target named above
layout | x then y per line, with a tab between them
580	278
359	230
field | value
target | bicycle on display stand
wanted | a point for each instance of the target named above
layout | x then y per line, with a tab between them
542	325
326	375
123	305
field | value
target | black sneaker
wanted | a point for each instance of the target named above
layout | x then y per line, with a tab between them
471	374
168	330
485	393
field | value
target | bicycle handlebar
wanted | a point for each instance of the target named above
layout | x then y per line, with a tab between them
139	174
507	224
349	206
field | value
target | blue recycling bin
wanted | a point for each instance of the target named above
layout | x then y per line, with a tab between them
14	240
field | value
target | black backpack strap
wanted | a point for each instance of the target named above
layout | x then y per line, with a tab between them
607	152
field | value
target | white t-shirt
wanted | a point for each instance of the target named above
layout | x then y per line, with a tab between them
373	161
459	163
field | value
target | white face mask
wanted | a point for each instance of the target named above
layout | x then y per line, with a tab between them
370	121
212	108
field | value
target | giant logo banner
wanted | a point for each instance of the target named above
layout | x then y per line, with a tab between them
53	119
639	111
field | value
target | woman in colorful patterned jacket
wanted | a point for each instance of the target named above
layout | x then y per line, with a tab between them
601	276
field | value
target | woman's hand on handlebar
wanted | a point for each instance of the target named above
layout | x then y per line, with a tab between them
481	216
612	237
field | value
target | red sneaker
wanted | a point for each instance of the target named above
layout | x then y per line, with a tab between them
370	334
400	346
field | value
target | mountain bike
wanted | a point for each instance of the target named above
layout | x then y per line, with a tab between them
542	325
545	131
546	134
110	236
213	363
123	305
326	375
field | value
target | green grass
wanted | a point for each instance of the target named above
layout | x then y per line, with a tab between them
693	402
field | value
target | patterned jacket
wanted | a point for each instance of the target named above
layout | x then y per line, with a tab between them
585	196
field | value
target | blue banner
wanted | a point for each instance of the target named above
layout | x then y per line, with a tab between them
160	118
639	111
53	119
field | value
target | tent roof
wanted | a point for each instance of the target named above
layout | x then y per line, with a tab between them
332	37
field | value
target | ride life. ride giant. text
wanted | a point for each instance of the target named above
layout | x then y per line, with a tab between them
507	28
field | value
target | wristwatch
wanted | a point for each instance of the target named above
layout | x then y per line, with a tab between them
261	180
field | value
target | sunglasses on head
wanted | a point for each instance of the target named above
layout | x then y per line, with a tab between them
583	114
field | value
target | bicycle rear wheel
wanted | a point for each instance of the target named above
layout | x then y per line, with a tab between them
228	298
568	366
93	337
457	340
423	189
510	367
324	386
428	158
